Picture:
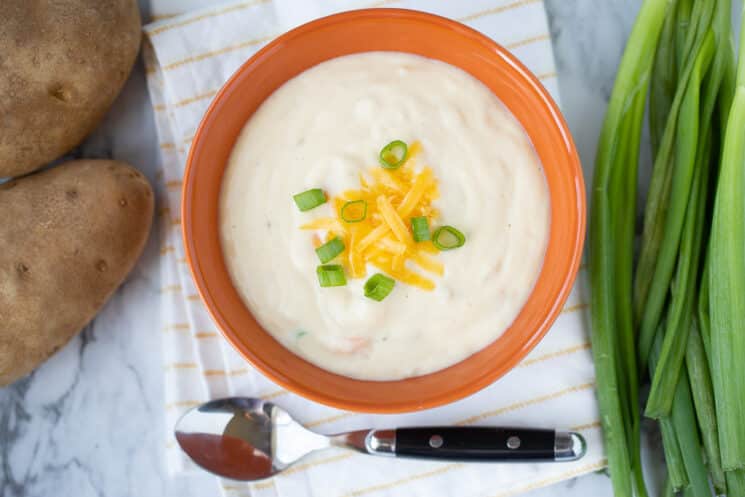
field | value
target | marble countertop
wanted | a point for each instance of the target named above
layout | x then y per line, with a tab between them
88	422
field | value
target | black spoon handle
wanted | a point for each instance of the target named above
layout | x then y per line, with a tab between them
486	444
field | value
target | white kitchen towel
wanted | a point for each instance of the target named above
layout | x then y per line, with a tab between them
188	58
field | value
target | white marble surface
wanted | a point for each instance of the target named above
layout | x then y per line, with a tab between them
88	423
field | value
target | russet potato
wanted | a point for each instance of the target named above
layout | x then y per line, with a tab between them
62	64
68	238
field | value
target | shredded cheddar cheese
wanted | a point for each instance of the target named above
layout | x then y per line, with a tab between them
383	238
393	220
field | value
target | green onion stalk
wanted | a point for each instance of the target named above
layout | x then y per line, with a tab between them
611	252
687	268
671	183
677	476
682	423
727	284
718	90
735	482
694	132
703	401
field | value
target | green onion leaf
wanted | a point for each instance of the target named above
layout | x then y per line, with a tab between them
354	211
727	285
611	246
309	199
735	482
329	250
684	422
668	490
331	275
448	238
689	250
676	471
671	181
703	402
379	286
394	154
420	228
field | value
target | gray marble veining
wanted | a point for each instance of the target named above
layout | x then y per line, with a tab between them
87	423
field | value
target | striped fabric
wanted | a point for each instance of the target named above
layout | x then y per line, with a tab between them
188	58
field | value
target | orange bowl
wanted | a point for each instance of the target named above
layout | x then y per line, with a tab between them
362	31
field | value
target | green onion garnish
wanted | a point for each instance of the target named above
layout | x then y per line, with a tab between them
379	286
394	154
309	199
331	275
448	238
420	228
354	211
329	250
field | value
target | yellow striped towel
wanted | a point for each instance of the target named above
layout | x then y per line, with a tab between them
188	58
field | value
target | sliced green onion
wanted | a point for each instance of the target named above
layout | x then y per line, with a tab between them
448	238
354	211
394	154
329	250
309	199
420	228
331	275
379	286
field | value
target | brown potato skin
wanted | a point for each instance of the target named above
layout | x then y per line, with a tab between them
68	238
62	64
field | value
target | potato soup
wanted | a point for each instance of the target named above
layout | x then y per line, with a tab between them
383	215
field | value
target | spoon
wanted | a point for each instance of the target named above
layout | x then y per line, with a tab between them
250	439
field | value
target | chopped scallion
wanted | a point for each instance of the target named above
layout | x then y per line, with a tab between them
393	155
354	211
331	275
329	250
379	286
420	229
309	199
448	238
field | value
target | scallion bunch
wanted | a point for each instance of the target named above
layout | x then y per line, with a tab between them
672	313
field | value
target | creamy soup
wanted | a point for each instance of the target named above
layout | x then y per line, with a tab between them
324	129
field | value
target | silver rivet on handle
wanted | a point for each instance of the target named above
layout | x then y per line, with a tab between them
513	442
436	441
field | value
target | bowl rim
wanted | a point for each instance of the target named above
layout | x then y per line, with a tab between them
477	382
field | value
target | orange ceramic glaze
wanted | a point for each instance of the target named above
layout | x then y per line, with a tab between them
392	30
